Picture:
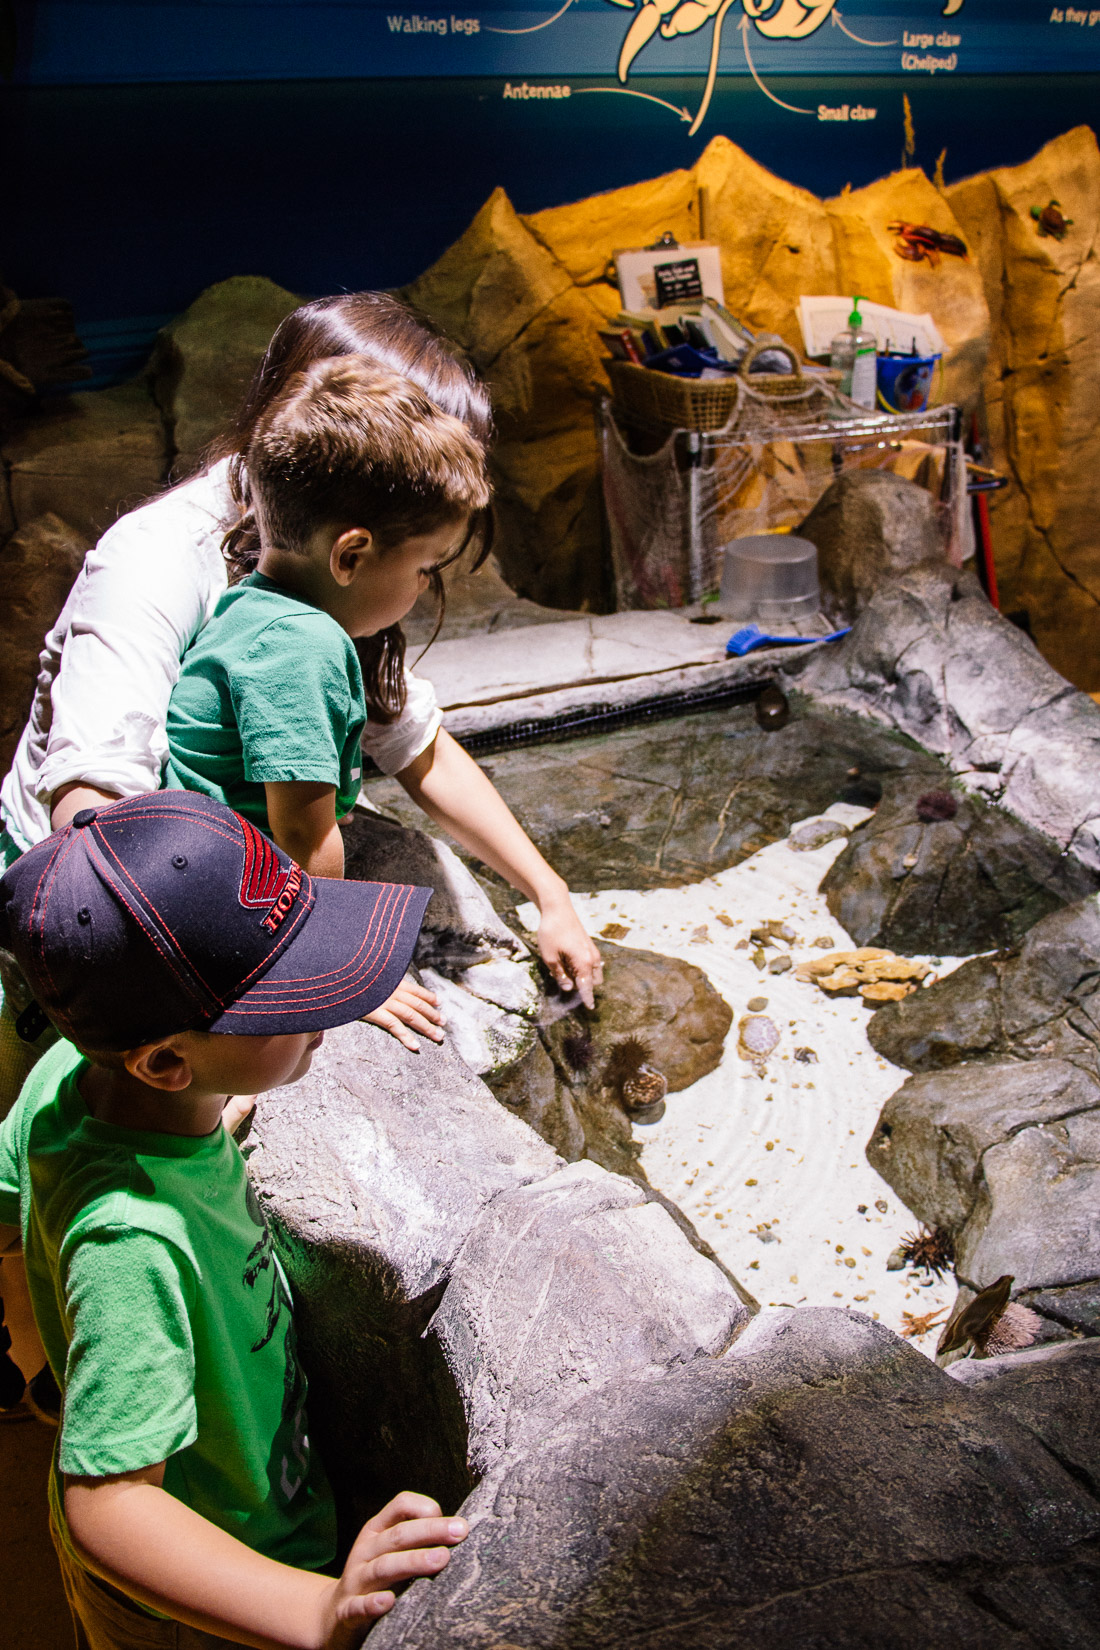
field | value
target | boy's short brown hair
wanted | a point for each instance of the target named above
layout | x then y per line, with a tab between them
353	442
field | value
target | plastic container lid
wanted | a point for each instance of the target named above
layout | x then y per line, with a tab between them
770	577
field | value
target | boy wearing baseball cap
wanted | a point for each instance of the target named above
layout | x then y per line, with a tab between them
184	957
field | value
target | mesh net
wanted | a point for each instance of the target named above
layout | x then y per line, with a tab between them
675	498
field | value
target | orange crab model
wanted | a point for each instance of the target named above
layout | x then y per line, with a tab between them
920	243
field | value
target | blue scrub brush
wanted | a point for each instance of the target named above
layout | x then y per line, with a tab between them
751	636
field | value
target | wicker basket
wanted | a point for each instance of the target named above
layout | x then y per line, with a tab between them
648	396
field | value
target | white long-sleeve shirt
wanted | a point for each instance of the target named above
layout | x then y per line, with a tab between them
108	666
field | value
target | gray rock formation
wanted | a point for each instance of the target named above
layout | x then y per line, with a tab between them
930	658
931	1139
654	1471
1038	1209
1053	1391
1040	1001
482	973
821	1484
999	1139
442	1310
867	525
566	1287
1072	1309
974	882
460	927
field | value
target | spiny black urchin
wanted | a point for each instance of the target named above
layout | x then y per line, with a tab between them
579	1050
936	805
930	1249
642	1088
627	1059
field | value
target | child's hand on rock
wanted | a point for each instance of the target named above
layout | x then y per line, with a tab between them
411	1008
408	1538
237	1108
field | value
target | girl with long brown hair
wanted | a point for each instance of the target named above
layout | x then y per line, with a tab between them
96	729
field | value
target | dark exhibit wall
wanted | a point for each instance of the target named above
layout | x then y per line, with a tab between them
178	162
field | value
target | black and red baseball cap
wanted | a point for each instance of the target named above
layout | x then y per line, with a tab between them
169	912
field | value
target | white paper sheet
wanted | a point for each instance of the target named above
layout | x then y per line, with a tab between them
822	318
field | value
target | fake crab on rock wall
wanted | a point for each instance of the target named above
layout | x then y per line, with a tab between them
919	243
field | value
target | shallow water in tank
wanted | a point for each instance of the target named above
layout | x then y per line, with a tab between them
675	839
769	1162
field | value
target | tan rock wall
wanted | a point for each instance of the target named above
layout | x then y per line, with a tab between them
203	360
525	296
951	290
502	294
775	239
1042	391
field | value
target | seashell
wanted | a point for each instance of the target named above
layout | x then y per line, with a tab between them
757	1036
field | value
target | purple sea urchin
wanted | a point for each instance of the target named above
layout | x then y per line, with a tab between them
934	806
1016	1327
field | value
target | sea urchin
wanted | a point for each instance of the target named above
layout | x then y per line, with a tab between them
930	1250
934	806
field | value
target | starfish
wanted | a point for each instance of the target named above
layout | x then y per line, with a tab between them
916	1325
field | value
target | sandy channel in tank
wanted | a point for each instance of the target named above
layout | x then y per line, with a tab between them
771	1167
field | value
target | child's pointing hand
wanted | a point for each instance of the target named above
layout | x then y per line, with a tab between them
408	1538
572	958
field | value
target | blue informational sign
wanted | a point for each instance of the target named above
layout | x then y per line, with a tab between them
332	143
95	41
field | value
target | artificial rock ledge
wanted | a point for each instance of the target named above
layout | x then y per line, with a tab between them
641	1458
640	1462
996	1136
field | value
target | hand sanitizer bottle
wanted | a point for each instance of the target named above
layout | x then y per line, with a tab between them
854	354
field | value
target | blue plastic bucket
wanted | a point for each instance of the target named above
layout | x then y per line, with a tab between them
905	382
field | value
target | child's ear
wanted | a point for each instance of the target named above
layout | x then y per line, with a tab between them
162	1065
350	549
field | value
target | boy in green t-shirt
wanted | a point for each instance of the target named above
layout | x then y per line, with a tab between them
184	958
362	489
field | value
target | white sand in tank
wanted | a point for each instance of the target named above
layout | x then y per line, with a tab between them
771	1168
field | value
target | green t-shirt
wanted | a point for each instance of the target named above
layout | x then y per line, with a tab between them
269	690
165	1315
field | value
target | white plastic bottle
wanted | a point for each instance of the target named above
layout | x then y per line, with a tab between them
854	353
